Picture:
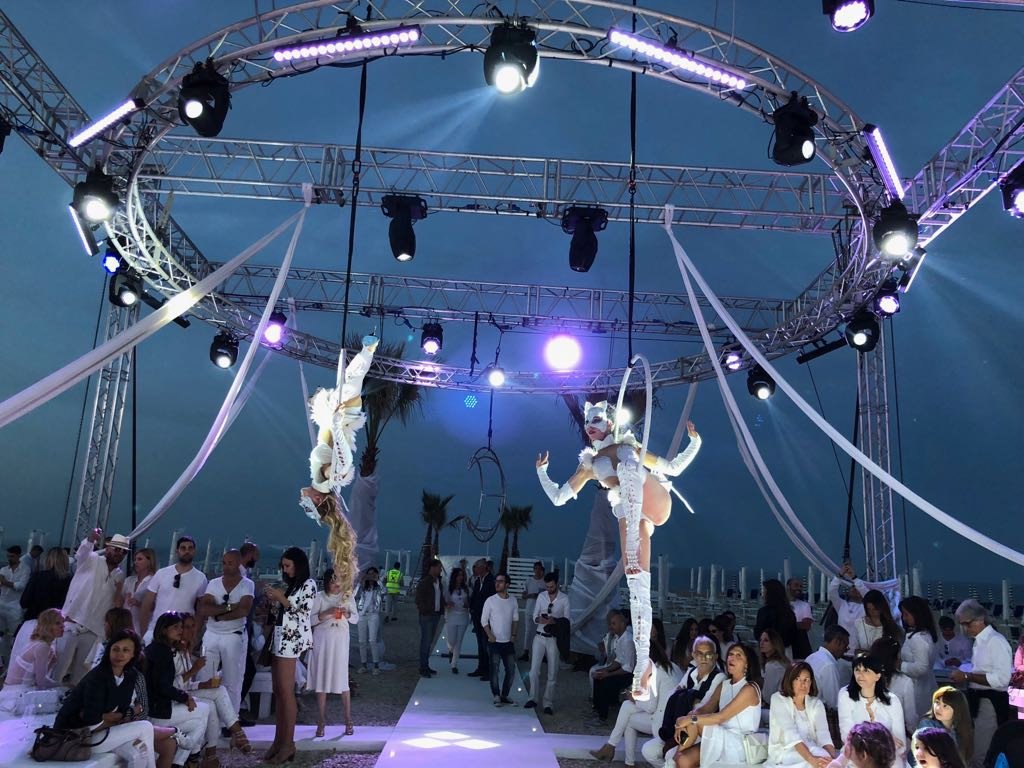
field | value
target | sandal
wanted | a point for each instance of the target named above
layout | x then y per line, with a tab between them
349	730
320	729
240	741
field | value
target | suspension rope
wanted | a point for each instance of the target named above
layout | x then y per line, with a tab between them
632	206
357	167
899	438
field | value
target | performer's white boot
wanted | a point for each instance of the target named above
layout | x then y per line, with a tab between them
640	609
357	369
346	421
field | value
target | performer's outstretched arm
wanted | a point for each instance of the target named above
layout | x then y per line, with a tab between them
560	495
681	461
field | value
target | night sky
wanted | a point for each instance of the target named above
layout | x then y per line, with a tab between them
920	72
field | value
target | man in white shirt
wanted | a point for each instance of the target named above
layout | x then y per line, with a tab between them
991	667
225	606
824	662
804	618
851	608
534	586
13	578
610	678
500	619
551	605
953	649
177	587
94	590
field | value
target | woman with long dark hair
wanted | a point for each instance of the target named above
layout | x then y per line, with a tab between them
774	663
456	615
877	622
867	699
776	614
951	711
293	636
682	648
369	603
935	748
920	649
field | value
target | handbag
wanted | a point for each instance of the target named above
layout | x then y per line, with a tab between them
755	748
63	745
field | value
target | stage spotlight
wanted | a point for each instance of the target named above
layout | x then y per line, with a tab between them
274	332
94	198
895	232
911	266
1012	189
403	210
511	61
204	99
887	300
759	383
794	131
111	260
562	353
848	15
224	350
863	331
433	338
125	288
582	223
732	357
496	376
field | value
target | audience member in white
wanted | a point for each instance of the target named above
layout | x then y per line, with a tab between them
106	700
704	676
954	649
332	614
920	649
636	717
369	603
935	748
877	622
715	732
533	587
774	663
869	745
992	665
32	669
950	710
823	661
867	699
136	585
500	618
850	608
551	606
615	672
225	606
900	685
95	588
199	676
456	616
177	588
13	579
798	728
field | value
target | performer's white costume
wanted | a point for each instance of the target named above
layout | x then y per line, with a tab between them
627	503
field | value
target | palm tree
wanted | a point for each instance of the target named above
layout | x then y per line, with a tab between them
507	522
521	519
434	514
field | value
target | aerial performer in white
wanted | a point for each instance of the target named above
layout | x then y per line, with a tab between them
338	416
640	501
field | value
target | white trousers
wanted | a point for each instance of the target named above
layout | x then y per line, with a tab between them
369	637
191	728
651	750
629	723
529	628
391	605
74	651
222	714
10	618
544	647
227	651
454	631
127	733
984	730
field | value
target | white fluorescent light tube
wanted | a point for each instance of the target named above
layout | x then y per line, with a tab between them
93	130
84	233
352	43
883	161
673	57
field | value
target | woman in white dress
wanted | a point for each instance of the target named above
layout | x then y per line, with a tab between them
733	712
331	616
134	589
798	728
920	650
867	699
456	615
774	663
877	622
32	669
369	603
899	685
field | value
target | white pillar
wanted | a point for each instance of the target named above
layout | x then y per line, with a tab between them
700	580
662	586
760	583
145	544
917	581
743	582
206	562
810	585
564	575
693	576
713	583
722	590
1006	601
172	549
785	570
824	588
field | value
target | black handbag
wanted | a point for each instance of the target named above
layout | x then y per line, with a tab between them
65	745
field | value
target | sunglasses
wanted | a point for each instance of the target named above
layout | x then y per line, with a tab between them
177	581
227	599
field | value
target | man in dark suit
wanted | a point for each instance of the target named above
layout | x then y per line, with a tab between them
482	588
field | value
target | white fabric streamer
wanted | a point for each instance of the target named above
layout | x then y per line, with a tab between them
293	318
63	379
677	438
685	265
224	418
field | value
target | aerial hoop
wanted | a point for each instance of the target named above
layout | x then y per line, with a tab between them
488	495
649	388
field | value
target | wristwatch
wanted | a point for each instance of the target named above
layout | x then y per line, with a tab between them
693	719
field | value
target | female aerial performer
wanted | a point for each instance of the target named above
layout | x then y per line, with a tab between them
639	500
338	415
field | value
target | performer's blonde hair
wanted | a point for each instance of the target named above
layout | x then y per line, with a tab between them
341	543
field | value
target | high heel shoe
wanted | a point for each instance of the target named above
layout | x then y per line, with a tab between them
320	729
284	755
349	730
604	754
270	754
240	741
